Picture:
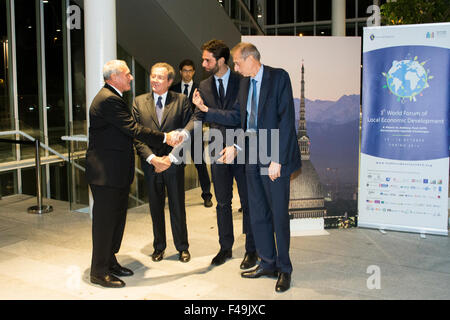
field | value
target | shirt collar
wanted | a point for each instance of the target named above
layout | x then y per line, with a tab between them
163	100
225	76
190	83
258	76
117	90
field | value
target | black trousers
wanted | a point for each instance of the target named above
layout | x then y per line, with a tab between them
173	180
108	223
202	171
222	177
269	211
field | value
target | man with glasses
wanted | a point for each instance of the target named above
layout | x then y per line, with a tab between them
187	87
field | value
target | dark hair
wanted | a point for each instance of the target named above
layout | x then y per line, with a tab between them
218	48
186	62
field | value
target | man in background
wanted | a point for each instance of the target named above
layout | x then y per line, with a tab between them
187	86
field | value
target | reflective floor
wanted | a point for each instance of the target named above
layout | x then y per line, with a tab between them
48	257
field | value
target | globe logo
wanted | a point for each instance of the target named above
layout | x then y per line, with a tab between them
406	79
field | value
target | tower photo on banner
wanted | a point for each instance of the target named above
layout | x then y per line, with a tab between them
325	77
404	165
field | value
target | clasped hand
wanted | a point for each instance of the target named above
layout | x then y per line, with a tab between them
161	163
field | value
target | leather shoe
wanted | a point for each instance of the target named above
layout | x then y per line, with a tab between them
249	260
157	255
221	257
259	272
184	256
283	282
108	281
120	271
208	203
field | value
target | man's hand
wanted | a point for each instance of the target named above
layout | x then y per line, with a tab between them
274	170
174	138
161	163
227	155
198	101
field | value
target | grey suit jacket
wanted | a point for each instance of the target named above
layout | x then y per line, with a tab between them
176	115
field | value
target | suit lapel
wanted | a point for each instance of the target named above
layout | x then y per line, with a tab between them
244	88
214	92
152	109
263	91
230	88
167	106
194	86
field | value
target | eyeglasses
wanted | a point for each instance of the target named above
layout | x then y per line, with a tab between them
187	71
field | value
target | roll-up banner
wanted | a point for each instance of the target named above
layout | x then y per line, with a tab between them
404	160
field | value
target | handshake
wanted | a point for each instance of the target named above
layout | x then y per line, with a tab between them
175	138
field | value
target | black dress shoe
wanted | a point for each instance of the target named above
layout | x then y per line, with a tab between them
221	257
208	203
249	261
108	281
283	282
184	256
157	255
120	271
259	272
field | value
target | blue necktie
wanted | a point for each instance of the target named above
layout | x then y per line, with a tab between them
159	109
221	92
186	86
253	108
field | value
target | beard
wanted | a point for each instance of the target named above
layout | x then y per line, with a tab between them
213	70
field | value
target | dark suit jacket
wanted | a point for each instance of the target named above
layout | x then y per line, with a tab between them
110	154
177	114
210	96
275	111
177	88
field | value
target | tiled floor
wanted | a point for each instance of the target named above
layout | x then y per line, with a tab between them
48	257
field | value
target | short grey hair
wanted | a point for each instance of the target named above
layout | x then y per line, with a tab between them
113	67
246	49
168	67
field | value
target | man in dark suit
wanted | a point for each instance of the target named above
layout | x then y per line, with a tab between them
219	92
164	111
187	84
187	87
265	103
110	170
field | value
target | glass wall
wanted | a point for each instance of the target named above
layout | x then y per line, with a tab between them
6	123
7	179
308	17
51	101
78	121
26	32
54	75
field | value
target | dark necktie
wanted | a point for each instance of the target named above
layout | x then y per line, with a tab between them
253	108
186	86
159	109
221	92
